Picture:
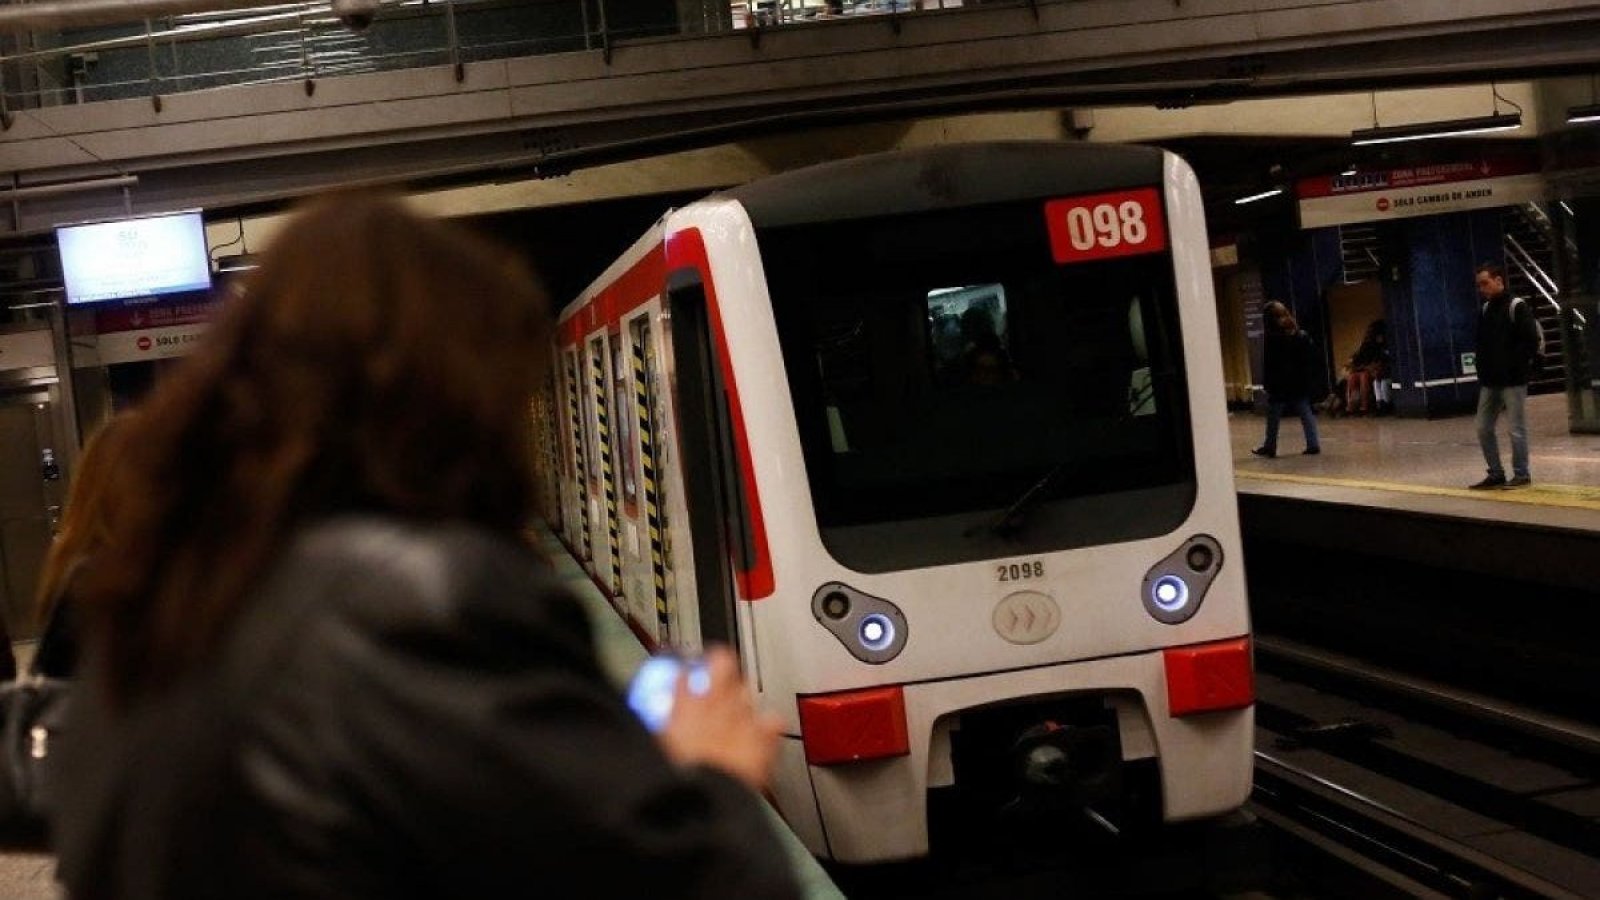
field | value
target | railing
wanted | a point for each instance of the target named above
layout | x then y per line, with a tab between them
1541	219
306	41
1530	269
763	13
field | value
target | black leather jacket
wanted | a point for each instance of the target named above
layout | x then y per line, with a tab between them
403	711
1288	361
1508	341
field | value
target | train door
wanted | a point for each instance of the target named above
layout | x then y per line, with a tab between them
602	500
548	441
713	494
578	435
624	482
31	494
651	485
605	434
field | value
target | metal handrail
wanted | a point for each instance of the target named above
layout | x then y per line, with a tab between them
175	22
1531	270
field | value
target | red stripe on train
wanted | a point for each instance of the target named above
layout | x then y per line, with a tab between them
642	281
687	249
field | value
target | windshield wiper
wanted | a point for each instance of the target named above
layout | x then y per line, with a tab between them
1009	523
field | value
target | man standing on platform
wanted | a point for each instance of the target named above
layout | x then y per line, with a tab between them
1508	339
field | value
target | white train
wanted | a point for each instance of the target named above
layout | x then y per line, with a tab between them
936	439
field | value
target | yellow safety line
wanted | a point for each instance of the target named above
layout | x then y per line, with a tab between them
1536	494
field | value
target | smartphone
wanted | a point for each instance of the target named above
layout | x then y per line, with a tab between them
651	690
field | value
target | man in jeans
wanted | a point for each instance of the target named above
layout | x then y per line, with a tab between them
1508	338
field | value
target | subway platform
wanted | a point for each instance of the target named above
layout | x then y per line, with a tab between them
1424	466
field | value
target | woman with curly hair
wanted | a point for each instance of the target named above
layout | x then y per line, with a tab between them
320	659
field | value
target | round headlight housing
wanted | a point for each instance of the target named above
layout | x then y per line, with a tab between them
1169	593
876	632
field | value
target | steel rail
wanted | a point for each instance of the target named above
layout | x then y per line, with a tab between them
1556	730
1384	843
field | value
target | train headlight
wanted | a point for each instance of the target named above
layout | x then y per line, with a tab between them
1170	593
1175	587
872	629
876	631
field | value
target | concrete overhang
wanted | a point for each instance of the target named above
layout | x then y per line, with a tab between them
515	118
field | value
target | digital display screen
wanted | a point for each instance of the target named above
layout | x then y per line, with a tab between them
142	257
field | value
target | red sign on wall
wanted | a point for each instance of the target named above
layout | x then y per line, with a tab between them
158	315
1105	226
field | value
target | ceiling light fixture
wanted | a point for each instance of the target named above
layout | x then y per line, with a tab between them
1261	196
1582	115
1421	131
239	262
1579	115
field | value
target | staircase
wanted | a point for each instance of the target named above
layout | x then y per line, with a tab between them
30	281
1358	250
1530	255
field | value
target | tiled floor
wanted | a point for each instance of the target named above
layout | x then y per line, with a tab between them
1427	465
28	876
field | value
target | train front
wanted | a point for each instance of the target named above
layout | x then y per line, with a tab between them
1009	580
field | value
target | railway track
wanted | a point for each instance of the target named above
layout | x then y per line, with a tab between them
1376	780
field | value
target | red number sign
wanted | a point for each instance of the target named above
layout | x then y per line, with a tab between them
1104	226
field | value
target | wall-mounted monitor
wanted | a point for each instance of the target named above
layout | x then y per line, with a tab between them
142	257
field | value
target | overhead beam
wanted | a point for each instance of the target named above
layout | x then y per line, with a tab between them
527	116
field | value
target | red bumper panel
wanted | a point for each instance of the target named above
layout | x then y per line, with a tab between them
1209	677
854	726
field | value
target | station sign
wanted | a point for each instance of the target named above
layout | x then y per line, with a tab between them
1385	195
165	315
1106	226
137	346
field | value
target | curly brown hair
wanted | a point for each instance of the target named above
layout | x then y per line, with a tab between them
377	361
83	522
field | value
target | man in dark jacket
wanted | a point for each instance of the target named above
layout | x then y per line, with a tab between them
1508	339
1288	360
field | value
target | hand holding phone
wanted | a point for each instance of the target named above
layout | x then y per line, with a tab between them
651	692
711	718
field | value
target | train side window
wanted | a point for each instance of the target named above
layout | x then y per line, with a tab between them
591	439
579	435
576	416
624	402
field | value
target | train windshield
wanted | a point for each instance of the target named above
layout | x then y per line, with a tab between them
945	366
